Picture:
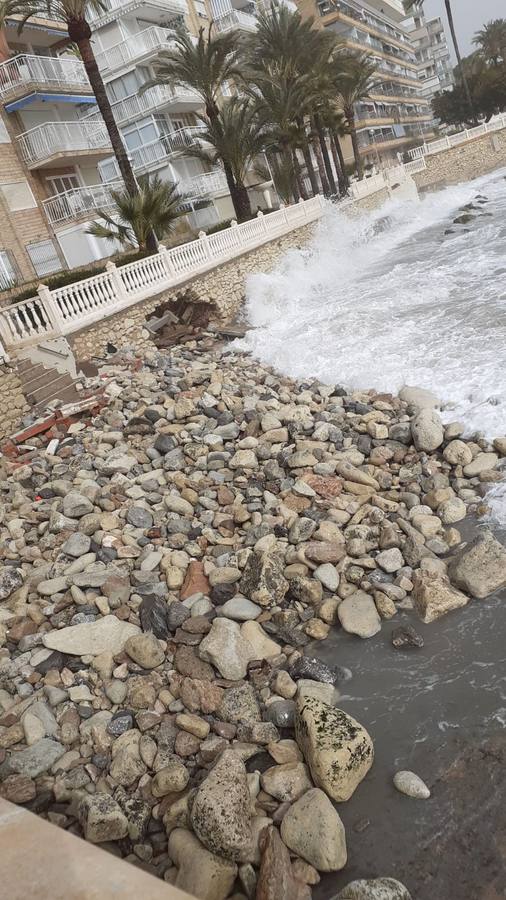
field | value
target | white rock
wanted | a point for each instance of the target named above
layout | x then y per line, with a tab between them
358	615
313	830
412	785
263	646
327	575
240	609
427	430
227	649
91	638
390	560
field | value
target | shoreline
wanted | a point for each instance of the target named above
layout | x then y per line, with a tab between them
212	523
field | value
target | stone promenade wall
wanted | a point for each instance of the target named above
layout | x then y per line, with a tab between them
464	162
13	405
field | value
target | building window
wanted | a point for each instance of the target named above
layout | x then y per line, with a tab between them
18	195
200	8
44	257
9	274
58	184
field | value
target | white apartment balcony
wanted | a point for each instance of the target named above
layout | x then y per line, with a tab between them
207	184
26	78
235	19
137	48
154	155
160	11
48	145
161	96
78	203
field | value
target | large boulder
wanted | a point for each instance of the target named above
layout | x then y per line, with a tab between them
427	430
313	830
263	581
201	873
480	569
221	812
337	749
434	596
374	889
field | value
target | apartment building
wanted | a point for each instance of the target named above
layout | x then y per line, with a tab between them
435	70
45	152
397	113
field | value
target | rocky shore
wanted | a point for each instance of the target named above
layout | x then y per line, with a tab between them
165	573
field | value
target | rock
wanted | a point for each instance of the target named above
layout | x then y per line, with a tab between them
263	646
200	696
315	669
145	650
101	818
500	445
176	614
322	691
244	459
193	725
427	430
201	873
286	782
18	789
337	749
240	609
453	510
35	759
313	830
284	685
434	596
173	778
76	545
221	811
374	889
412	785
91	638
154	616
390	560
227	649
10	580
127	766
76	505
263	581
406	636
457	453
281	713
481	463
328	575
240	705
276	880
419	397
195	581
139	517
479	569
358	615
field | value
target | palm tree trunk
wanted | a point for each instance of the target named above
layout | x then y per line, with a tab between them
233	191
325	154
342	164
241	201
354	141
306	152
288	163
462	73
298	176
337	164
321	166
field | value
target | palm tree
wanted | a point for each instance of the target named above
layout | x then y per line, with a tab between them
234	139
353	82
73	14
492	41
417	4
155	208
204	66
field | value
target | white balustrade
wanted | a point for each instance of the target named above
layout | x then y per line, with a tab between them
44	141
107	9
27	71
135	46
76	202
453	140
235	19
155	97
69	308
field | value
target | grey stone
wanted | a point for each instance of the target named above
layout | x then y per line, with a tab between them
240	609
139	517
226	649
374	889
77	544
76	505
480	569
263	581
315	669
10	580
221	811
412	785
91	638
427	430
312	829
35	759
358	615
101	818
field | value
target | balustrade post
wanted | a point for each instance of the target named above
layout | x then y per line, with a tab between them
204	240
236	232
51	308
261	218
166	258
117	282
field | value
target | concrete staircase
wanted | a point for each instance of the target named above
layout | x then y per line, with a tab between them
42	385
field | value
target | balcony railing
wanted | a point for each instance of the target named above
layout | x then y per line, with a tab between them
151	40
24	73
53	138
235	19
156	97
206	184
78	202
155	153
111	9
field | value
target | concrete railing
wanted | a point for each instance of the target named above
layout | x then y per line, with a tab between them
67	309
461	137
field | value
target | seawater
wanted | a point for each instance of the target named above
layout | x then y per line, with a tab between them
388	298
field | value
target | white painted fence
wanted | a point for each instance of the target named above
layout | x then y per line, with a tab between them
67	309
453	140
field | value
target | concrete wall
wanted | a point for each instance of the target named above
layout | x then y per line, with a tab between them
470	160
222	288
13	405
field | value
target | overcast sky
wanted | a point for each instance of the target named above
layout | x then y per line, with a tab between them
469	16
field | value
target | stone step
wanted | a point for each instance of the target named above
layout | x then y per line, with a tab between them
36	377
67	395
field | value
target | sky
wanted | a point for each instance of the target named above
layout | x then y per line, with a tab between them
469	16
